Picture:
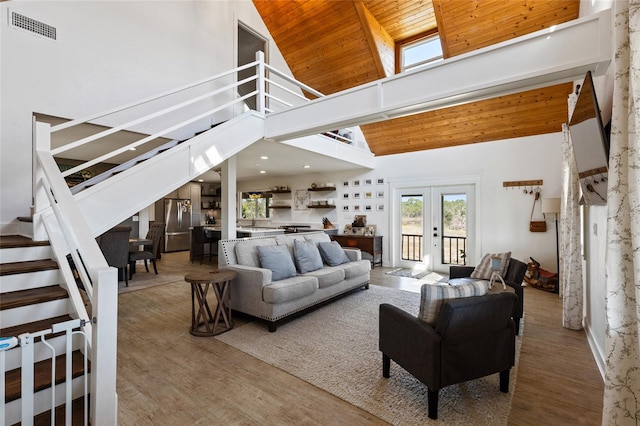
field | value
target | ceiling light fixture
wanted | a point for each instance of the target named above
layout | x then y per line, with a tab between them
306	166
264	157
263	171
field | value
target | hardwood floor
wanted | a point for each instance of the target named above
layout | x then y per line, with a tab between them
167	376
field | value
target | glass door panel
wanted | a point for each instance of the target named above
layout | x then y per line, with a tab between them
451	231
412	227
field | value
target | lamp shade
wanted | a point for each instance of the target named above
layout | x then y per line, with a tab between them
551	205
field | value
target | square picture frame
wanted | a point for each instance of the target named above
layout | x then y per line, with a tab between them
345	183
360	219
380	207
368	182
380	181
345	208
367	194
368	208
345	196
356	182
356	208
379	194
356	195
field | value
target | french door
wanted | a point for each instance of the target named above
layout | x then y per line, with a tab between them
434	226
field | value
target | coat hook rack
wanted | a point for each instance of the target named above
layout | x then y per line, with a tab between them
509	184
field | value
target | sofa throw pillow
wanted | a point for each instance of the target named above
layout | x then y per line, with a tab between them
433	296
307	256
246	252
332	253
318	238
278	259
483	270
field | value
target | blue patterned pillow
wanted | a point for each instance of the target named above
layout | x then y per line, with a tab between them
483	270
433	296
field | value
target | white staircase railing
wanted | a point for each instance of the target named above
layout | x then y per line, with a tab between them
216	99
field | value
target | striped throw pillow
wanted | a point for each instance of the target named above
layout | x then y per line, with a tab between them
483	270
433	296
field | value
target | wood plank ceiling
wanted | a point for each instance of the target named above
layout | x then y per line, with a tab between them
336	45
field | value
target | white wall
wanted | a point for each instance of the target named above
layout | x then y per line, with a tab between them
107	54
504	213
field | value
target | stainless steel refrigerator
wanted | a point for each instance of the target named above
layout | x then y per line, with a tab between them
177	216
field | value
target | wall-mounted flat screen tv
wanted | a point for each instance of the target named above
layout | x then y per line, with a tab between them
590	144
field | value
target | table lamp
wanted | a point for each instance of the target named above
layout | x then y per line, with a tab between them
496	267
552	206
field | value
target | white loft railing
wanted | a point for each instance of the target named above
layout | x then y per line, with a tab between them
56	211
274	91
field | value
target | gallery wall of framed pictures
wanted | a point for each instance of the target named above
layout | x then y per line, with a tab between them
363	195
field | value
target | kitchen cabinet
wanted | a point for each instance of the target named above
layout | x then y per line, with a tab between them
371	245
210	200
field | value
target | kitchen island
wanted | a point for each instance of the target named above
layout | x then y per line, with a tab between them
257	231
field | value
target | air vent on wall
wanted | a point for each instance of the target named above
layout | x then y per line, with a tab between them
38	28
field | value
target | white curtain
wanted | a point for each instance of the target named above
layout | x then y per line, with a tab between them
622	346
571	287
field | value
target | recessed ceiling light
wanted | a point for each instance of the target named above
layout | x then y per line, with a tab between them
264	157
132	149
262	171
200	180
306	166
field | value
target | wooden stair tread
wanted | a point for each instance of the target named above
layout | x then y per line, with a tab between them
42	375
15	299
32	327
13	241
13	268
77	414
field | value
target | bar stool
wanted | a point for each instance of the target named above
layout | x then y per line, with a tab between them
203	323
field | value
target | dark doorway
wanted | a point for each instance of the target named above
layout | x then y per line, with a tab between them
248	44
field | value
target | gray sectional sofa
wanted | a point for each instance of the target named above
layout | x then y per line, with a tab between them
266	286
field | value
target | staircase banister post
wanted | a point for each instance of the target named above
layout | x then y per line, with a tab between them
260	83
104	400
41	142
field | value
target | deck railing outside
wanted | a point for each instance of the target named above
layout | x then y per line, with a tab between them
453	249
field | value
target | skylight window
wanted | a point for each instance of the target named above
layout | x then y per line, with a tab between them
420	52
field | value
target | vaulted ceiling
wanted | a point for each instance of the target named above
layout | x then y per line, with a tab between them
335	45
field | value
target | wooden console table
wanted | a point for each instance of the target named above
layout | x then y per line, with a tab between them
371	245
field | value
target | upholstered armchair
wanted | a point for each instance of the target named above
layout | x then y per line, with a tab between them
473	337
513	278
150	252
115	247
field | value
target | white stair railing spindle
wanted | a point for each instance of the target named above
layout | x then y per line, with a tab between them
53	380
26	386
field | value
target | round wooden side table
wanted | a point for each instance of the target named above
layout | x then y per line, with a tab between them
203	323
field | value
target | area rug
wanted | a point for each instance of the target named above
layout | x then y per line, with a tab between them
336	349
418	274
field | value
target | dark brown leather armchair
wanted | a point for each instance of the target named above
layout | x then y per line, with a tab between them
513	278
473	337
